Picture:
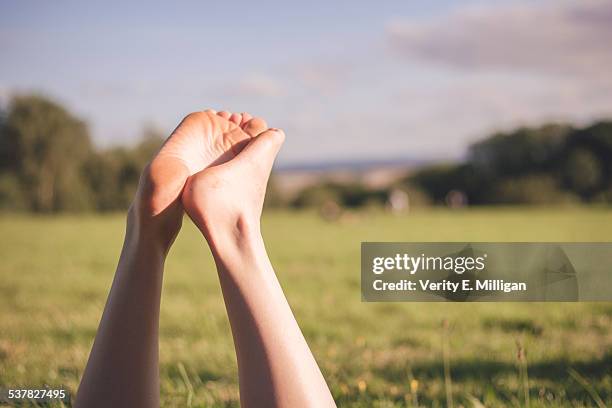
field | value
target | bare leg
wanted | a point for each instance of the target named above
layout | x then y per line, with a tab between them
122	370
276	366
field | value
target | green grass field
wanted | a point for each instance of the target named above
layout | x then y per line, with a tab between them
55	274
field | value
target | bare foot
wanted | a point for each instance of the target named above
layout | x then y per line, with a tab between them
228	196
202	139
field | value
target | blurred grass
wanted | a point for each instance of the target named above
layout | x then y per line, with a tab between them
55	274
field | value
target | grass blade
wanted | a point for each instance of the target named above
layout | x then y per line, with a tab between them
185	377
587	386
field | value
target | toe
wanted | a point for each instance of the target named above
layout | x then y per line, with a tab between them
236	118
224	114
255	126
245	118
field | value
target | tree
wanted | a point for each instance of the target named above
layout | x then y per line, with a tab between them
583	172
523	151
113	174
534	189
596	140
45	147
438	180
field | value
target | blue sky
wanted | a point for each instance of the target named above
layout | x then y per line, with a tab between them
346	80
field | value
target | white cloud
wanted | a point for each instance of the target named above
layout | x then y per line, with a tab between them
256	86
324	77
570	37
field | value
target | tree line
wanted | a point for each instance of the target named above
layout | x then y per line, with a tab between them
547	165
49	164
550	164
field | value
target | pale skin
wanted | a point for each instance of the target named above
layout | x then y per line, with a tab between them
215	167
